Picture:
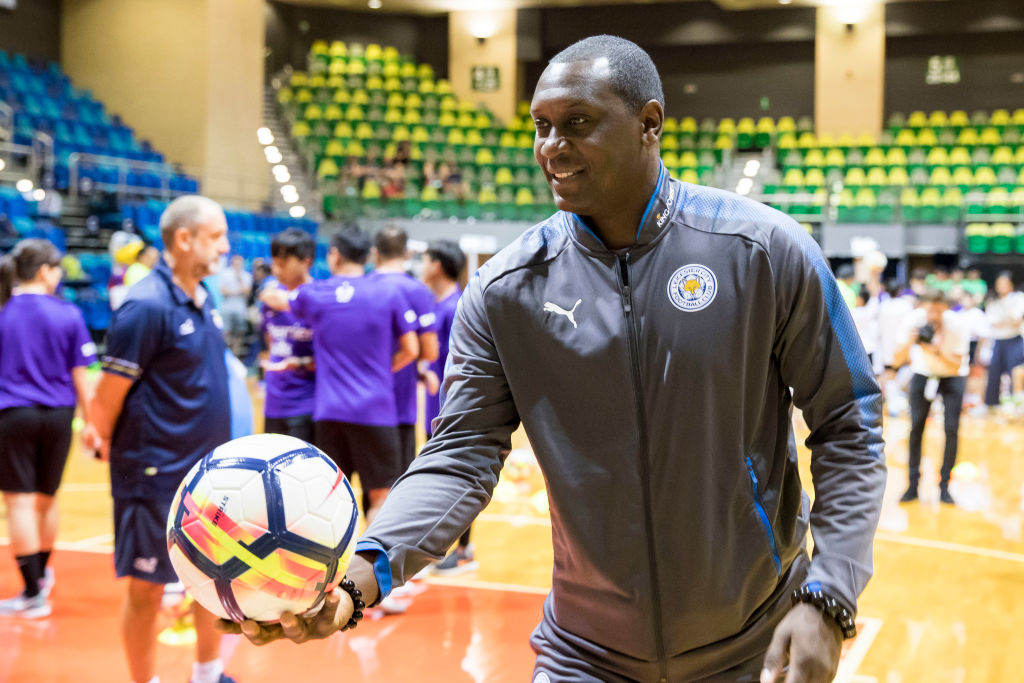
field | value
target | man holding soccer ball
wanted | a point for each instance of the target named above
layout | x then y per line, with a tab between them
652	338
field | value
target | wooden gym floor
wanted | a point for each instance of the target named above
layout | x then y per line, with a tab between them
945	605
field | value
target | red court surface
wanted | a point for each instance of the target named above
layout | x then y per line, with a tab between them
448	634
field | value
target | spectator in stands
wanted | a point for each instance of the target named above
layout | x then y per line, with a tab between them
937	347
1005	316
847	282
44	350
974	284
918	281
144	263
393	181
235	286
403	154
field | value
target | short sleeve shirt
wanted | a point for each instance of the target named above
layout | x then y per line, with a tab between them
42	339
291	390
179	407
421	300
356	324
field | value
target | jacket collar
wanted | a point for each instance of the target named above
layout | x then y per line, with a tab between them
177	293
655	218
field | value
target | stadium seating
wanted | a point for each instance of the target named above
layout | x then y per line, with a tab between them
45	101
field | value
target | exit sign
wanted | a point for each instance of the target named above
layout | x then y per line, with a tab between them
485	78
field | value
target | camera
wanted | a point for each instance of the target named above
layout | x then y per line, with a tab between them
925	334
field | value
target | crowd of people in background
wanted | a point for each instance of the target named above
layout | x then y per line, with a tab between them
942	334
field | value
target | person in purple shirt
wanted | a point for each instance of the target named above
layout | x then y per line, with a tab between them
392	252
442	266
44	350
357	323
290	369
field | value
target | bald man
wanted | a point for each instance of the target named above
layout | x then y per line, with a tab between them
161	404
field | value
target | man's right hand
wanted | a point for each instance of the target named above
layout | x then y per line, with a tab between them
332	617
92	441
335	613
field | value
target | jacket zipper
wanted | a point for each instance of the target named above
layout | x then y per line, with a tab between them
645	474
765	522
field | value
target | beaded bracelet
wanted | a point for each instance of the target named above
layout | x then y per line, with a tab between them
350	587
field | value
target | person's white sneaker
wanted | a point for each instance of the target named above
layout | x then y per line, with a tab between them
35	607
47	583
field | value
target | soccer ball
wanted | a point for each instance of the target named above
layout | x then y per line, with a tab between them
262	525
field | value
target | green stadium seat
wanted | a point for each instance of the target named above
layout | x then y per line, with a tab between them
978	237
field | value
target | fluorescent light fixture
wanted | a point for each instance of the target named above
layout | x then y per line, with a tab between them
297	211
264	136
744	186
39	194
24	185
3	164
374	4
751	168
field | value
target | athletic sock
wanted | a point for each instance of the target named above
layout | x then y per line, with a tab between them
207	672
45	555
31	572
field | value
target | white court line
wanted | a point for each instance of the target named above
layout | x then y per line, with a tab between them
486	585
868	628
946	545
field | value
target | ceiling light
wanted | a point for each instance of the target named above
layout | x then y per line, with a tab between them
264	136
785	2
297	211
744	186
273	154
24	185
374	4
39	194
3	164
289	189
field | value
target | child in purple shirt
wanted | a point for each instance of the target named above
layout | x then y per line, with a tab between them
289	368
44	350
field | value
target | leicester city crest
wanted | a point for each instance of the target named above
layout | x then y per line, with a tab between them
692	287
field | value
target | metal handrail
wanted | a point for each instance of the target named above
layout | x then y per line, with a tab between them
124	166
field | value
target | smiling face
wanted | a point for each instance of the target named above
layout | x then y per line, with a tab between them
595	153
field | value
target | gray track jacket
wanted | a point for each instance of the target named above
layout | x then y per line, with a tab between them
654	385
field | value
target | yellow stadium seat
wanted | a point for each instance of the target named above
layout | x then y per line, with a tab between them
814	178
342	96
875	157
408	70
327	169
938	156
334	148
984	178
487	195
354	113
420	134
392	70
355	68
826	141
960	156
396	99
671	125
523	108
503	176
474	138
688	125
835	158
338	67
424	72
794	177
524	141
355	149
814	159
373	52
343	129
317	81
507	139
482	120
927	138
338	49
787	141
898	176
456	137
917	120
371	190
300	129
412	117
364	131
669	142
855	177
443	87
360	97
906	138
374	83
524	196
688	159
448	103
394	115
807	140
285	95
990	137
447	120
940	176
959	119
727	126
896	157
466	120
690	175
335	82
877	177
390	54
938	119
670	159
313	113
968	137
299	79
865	141
484	157
1000	118
963	177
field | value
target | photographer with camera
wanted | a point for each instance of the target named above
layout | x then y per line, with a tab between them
937	347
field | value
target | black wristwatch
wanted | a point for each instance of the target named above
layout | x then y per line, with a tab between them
813	595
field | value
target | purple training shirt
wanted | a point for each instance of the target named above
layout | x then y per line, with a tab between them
42	338
290	391
356	323
446	309
422	301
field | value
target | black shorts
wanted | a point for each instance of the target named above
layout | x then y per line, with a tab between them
370	450
299	426
407	446
34	443
140	539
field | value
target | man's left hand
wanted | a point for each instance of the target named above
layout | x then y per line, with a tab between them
810	641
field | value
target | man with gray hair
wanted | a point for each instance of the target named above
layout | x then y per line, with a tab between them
160	405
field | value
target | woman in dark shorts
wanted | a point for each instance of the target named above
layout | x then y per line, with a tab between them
44	350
